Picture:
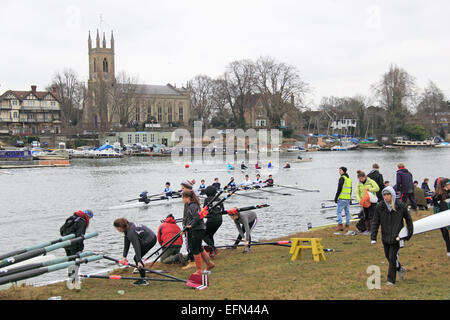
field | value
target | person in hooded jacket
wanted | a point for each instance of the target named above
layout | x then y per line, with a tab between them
365	183
213	220
404	184
376	176
166	231
440	203
79	226
390	215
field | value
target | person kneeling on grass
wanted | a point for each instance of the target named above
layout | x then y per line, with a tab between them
196	228
390	214
142	239
166	231
245	222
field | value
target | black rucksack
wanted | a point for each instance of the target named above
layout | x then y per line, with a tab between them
69	226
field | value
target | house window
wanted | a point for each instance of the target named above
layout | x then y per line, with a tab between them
152	137
260	113
44	103
15	114
129	138
137	114
53	103
29	116
282	123
136	138
159	113
144	138
105	65
14	102
260	123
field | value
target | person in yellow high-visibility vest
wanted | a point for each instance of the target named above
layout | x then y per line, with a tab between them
343	198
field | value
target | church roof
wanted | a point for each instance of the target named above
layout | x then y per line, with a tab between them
157	89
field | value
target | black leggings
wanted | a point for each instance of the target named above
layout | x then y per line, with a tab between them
446	237
144	249
239	238
196	238
391	253
211	229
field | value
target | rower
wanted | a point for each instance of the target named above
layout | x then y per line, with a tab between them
230	167
202	187
287	165
243	166
269	182
167	192
247	183
270	164
143	197
258	182
216	183
257	166
231	185
299	157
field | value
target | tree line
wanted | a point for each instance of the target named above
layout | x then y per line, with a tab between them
394	106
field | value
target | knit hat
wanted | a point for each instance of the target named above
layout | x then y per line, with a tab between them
210	191
343	169
89	213
188	184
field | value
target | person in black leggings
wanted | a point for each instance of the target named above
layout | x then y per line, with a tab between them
213	220
142	239
440	204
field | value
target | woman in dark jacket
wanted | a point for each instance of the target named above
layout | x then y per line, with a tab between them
196	228
142	239
213	220
440	198
390	214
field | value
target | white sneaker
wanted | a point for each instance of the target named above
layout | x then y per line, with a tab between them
448	254
389	283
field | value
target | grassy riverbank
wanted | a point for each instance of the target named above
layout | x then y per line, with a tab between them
268	273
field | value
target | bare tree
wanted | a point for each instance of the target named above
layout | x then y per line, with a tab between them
432	101
123	96
72	93
238	84
280	86
395	92
202	96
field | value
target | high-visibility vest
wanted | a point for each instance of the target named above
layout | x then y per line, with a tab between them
346	192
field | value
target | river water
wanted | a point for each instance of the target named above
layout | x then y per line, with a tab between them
35	202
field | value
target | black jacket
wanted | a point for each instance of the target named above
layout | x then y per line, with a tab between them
339	189
376	176
391	222
404	181
216	213
137	235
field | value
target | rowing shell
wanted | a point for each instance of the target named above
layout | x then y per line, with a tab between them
137	204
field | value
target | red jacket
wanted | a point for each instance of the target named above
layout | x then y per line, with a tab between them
168	230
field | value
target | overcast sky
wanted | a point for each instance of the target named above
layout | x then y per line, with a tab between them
339	47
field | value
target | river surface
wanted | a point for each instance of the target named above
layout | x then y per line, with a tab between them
35	202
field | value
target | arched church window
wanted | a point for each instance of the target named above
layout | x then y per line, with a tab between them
105	65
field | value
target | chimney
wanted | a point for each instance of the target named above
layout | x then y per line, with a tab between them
33	88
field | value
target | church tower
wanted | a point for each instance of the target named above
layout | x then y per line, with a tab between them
101	80
101	60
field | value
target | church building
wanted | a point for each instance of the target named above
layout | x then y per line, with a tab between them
150	105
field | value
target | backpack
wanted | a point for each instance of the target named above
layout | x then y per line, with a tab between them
69	226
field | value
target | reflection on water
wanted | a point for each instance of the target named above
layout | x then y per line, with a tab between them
36	202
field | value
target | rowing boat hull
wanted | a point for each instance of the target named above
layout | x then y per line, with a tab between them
145	205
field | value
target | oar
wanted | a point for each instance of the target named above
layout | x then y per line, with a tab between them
37	252
37	272
274	192
283	243
256	206
30	266
306	190
175	237
45	244
145	269
116	277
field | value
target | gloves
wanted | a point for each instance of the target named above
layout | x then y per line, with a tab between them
335	201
